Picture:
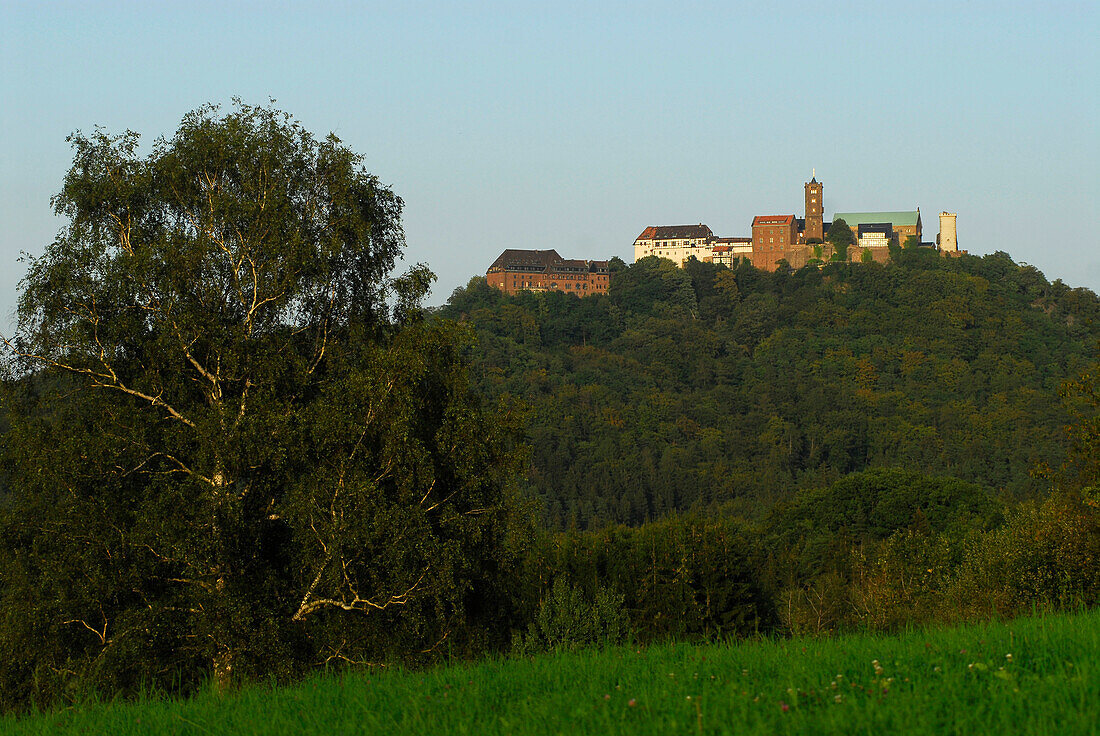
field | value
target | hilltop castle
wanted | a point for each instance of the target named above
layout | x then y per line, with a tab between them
798	242
776	240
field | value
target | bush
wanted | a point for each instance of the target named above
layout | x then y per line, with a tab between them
1046	555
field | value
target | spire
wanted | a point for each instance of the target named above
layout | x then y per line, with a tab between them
814	175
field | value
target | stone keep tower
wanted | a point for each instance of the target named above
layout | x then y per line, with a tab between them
947	240
815	227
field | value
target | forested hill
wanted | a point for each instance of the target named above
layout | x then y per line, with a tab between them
687	388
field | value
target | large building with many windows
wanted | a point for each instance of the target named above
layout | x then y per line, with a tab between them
544	270
774	237
675	242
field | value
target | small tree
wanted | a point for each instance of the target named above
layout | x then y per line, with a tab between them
840	236
568	619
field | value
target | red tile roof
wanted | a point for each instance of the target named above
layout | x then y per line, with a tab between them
514	258
543	261
676	232
773	220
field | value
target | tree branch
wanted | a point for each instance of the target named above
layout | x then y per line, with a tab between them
103	380
355	603
101	635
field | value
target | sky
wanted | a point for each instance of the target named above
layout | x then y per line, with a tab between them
574	125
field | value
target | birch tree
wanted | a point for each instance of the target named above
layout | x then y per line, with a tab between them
241	440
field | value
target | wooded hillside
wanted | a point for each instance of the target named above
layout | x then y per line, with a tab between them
687	388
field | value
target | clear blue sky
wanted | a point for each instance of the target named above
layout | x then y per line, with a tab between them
573	125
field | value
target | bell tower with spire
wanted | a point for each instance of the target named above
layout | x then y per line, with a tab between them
815	221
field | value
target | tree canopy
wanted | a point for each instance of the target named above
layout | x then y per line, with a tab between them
840	233
841	238
236	448
707	386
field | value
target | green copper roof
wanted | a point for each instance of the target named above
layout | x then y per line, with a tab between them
897	219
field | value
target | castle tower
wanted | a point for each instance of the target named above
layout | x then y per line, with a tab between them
947	239
815	226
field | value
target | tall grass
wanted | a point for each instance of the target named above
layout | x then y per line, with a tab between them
1039	674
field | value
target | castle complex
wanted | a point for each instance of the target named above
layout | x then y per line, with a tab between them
797	242
776	240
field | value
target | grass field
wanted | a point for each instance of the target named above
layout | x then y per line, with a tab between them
1038	675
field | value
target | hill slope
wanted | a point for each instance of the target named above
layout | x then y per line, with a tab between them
687	388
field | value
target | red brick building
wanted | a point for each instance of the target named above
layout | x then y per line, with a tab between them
544	270
774	238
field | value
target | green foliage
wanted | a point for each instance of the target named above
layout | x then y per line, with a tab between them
876	503
236	447
652	281
840	236
1081	469
880	551
903	581
711	387
872	549
568	619
1047	554
679	577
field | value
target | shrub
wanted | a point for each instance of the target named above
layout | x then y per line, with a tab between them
1047	555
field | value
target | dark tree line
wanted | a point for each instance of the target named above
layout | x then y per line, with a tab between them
704	386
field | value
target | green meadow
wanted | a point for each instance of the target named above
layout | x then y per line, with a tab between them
1039	674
